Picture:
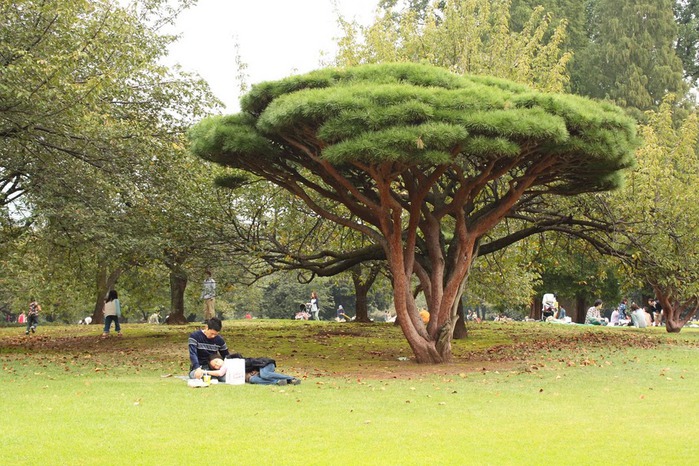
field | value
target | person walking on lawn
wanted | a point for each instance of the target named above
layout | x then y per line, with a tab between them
33	316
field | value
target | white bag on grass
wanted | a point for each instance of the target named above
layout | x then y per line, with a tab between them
235	371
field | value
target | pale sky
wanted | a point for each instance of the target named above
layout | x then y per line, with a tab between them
277	38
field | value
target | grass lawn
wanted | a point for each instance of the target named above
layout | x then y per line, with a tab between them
517	393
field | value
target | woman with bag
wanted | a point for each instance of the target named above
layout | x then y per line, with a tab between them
112	312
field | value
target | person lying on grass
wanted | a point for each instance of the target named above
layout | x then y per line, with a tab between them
215	369
260	371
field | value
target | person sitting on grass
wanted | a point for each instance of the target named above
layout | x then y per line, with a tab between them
204	344
593	316
639	317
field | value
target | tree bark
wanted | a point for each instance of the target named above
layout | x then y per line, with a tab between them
460	330
534	309
362	309
362	284
580	310
178	284
676	313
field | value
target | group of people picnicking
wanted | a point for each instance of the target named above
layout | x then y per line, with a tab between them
623	315
627	315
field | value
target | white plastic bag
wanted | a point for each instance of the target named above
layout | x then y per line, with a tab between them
235	371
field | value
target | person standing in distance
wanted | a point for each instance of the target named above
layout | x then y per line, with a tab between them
112	312
315	305
208	294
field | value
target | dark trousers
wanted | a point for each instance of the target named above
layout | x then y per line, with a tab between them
32	321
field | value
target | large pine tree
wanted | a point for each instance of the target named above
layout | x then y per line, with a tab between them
630	57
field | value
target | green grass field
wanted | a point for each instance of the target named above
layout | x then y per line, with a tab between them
517	393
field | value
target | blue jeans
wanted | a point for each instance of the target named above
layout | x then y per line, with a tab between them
108	323
267	376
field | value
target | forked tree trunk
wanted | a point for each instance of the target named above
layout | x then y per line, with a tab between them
424	348
362	284
676	313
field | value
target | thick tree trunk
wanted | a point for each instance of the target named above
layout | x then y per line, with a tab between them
675	312
580	310
423	346
105	282
362	284
673	326
460	330
362	309
178	284
534	309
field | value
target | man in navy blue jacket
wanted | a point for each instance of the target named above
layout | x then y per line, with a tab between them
203	344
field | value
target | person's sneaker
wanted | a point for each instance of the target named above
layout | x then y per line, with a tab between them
294	381
281	382
33	330
27	332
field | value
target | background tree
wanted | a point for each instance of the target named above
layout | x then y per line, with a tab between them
464	36
577	273
631	55
657	214
687	43
87	113
415	151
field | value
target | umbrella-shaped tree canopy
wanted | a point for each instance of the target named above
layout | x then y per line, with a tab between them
420	158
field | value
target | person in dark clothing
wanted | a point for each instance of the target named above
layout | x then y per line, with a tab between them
655	309
33	316
262	371
205	344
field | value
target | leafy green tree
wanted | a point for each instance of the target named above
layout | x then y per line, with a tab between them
572	12
631	55
687	43
658	214
81	81
464	36
413	151
576	272
89	122
471	36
